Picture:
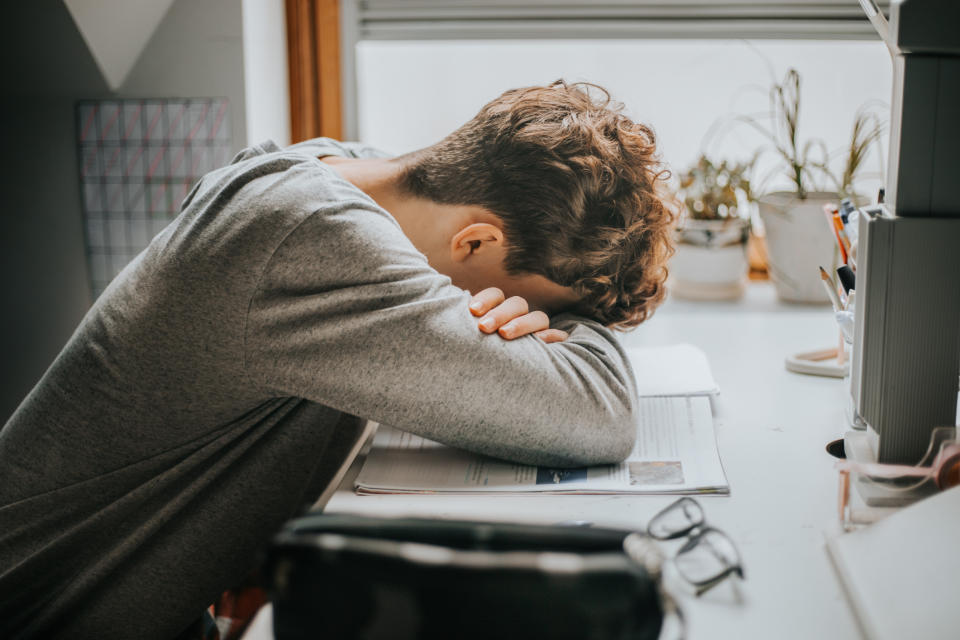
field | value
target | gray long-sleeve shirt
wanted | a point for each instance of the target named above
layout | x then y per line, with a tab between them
209	388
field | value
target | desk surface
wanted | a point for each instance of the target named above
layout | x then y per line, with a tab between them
772	427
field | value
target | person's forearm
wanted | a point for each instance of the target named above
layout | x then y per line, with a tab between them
567	404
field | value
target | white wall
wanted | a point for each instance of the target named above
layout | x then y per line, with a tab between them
265	71
413	93
196	51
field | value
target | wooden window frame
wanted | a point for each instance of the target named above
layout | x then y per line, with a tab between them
313	60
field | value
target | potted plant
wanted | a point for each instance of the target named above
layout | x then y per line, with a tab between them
710	262
798	239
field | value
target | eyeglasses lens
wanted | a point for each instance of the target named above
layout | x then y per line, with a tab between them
676	520
707	557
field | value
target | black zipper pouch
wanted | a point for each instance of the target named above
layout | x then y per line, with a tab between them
343	576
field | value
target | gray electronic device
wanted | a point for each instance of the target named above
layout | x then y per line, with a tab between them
906	364
924	37
906	350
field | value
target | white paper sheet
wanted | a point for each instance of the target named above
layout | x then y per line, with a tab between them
675	452
673	370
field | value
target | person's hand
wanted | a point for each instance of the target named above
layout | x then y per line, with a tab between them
511	317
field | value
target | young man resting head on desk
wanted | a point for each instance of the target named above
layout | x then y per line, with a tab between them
210	392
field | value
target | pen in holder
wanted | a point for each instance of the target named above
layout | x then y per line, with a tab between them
834	362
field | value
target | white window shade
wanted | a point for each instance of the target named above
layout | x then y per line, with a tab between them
564	19
464	20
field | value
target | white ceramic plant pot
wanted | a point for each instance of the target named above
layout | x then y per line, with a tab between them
711	260
799	241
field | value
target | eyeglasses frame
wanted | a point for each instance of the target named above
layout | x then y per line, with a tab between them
695	533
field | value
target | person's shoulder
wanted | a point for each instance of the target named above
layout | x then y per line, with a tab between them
292	206
245	210
350	232
319	147
345	236
265	179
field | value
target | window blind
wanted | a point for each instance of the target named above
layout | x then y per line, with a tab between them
562	19
582	19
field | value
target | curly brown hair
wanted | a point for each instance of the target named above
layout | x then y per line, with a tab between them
578	186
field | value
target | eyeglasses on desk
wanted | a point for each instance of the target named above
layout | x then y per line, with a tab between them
708	557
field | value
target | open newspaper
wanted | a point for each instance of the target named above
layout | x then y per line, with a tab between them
675	452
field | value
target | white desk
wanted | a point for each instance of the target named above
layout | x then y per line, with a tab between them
772	428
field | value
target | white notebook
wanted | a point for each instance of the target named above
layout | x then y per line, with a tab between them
672	370
901	573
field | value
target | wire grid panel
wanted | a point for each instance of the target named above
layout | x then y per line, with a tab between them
138	161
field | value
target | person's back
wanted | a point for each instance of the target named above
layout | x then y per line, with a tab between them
210	392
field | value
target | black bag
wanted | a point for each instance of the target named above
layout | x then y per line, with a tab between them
342	576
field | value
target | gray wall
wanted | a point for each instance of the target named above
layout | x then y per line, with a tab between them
196	51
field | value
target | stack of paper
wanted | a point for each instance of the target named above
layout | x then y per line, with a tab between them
674	370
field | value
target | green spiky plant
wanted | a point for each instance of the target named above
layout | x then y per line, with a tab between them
867	131
807	163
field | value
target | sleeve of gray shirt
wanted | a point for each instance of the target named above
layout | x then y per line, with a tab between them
349	314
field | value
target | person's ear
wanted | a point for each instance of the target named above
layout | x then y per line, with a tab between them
475	239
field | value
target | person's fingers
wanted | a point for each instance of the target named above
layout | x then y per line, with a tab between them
552	335
525	324
485	300
503	313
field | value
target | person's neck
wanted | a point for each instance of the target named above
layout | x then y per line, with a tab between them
380	178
